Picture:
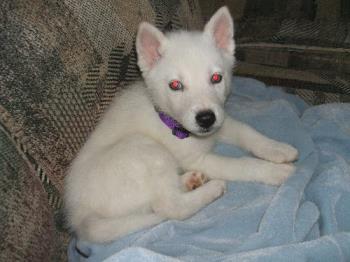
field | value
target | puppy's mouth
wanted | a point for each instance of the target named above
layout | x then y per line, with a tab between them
205	131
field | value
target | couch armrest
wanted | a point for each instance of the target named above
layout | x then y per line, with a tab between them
27	221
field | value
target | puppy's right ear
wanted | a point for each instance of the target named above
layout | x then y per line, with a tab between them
149	43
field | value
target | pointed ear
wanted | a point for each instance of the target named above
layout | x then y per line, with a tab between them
149	42
220	29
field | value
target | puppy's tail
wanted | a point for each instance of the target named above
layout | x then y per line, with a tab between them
100	230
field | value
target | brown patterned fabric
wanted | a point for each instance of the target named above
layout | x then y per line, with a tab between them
300	44
26	218
61	63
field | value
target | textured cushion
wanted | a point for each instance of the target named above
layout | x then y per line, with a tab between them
61	63
27	221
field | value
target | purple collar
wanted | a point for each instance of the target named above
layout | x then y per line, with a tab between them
177	129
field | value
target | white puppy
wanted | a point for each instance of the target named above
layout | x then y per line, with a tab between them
128	175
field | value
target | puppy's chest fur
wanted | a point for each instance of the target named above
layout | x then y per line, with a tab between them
134	113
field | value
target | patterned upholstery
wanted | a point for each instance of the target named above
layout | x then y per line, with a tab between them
300	44
61	63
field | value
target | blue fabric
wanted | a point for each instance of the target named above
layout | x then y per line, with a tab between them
306	219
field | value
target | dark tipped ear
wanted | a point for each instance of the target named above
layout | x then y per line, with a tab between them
220	29
149	41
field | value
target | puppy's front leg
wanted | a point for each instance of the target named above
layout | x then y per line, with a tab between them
242	135
243	169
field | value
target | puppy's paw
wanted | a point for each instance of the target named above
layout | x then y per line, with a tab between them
278	173
277	152
193	179
217	188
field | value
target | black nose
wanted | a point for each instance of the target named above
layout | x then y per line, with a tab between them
206	118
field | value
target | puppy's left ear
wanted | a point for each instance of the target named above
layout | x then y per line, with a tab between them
220	29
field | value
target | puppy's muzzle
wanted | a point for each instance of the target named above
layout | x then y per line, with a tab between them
205	119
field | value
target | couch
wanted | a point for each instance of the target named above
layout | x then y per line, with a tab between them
62	62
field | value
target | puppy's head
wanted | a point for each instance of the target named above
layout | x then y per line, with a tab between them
188	74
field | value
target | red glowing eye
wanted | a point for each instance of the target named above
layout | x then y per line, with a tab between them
216	78
175	85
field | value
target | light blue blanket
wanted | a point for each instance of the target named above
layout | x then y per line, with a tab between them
306	219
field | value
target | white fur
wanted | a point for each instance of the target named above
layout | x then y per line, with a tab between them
126	177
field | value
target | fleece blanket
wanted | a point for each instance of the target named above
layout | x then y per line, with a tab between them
305	219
